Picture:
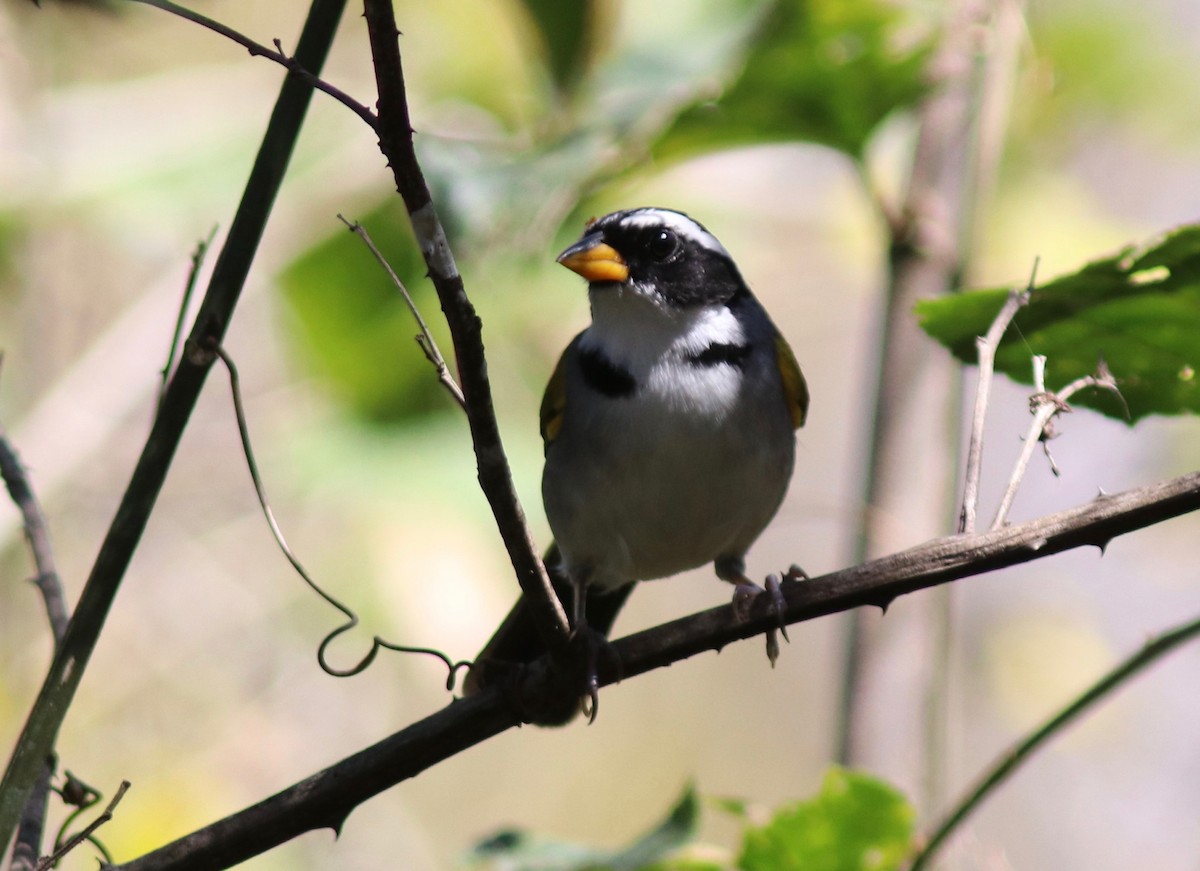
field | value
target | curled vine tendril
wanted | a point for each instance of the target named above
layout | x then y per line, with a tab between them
352	619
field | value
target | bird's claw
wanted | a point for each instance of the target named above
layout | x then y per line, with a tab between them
795	573
746	593
592	646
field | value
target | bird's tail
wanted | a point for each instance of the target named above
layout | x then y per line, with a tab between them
516	642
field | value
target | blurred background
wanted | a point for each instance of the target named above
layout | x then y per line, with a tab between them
126	135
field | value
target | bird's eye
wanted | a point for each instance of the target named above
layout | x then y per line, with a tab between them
663	244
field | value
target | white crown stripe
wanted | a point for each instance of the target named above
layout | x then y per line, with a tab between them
677	221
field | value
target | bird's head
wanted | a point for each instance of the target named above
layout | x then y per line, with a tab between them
657	255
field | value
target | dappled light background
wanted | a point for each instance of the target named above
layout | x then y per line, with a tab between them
125	137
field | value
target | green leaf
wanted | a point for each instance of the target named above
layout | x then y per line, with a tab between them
1139	311
520	851
855	823
351	326
826	71
570	34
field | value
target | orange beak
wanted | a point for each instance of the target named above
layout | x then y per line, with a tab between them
594	260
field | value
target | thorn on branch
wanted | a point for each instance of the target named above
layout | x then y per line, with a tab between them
278	56
1045	405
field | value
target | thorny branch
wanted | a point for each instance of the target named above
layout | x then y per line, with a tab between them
58	689
1046	405
395	141
32	825
38	536
466	329
325	799
279	56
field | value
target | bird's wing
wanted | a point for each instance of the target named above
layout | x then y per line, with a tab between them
554	401
795	388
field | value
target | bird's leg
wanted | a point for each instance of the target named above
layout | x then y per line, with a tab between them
584	638
588	647
746	592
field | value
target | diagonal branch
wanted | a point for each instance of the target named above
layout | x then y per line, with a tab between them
325	799
32	824
37	535
466	329
292	63
50	709
1011	760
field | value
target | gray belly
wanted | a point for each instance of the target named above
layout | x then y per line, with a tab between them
632	499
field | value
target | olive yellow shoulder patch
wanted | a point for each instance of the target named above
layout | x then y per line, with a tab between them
795	388
554	402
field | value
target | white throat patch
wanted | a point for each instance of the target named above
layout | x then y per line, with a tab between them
636	333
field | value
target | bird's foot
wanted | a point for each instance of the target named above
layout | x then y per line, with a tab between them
588	652
746	593
553	690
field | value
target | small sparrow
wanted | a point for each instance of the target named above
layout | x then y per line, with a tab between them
668	423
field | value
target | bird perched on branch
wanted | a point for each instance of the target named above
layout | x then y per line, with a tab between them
668	423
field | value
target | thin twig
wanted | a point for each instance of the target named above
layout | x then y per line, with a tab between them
28	844
38	536
928	251
189	288
986	346
352	619
85	834
32	825
1007	764
278	55
1046	405
326	798
428	344
466	328
120	542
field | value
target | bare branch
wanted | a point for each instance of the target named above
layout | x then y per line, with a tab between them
986	346
38	536
32	825
86	833
432	353
466	329
325	799
83	630
1046	405
257	49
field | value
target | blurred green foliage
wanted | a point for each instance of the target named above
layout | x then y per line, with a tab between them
570	34
854	823
1139	310
823	71
351	326
520	851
